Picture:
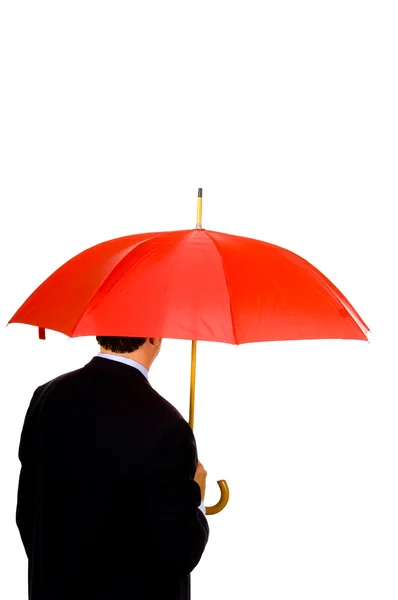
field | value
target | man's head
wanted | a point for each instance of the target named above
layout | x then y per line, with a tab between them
143	350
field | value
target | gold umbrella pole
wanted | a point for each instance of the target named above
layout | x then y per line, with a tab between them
222	484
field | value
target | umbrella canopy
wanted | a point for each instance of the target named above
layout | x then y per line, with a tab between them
192	284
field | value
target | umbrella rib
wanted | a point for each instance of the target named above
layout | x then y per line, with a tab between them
344	302
226	283
176	252
155	235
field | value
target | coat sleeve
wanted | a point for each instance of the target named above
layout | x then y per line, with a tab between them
178	530
26	495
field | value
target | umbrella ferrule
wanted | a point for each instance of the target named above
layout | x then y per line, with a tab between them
199	210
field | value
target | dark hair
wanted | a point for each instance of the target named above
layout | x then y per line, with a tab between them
121	344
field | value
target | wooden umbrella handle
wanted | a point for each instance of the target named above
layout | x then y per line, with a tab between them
223	501
222	484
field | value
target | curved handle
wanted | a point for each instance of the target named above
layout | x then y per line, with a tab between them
223	501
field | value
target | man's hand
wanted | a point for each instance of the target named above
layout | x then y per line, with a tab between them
200	478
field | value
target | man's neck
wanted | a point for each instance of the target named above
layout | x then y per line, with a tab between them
131	355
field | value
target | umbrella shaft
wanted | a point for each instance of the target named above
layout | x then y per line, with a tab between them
193	379
193	355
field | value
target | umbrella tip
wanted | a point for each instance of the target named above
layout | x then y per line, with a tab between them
200	193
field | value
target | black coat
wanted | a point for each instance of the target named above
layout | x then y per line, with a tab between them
107	504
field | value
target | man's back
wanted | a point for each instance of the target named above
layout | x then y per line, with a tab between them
107	504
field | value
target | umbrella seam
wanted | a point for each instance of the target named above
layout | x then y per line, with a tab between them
177	251
226	283
153	236
329	285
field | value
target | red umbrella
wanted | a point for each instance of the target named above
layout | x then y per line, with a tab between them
193	284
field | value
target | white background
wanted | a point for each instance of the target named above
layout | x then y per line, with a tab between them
112	115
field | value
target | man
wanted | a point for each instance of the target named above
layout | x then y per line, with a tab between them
110	498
